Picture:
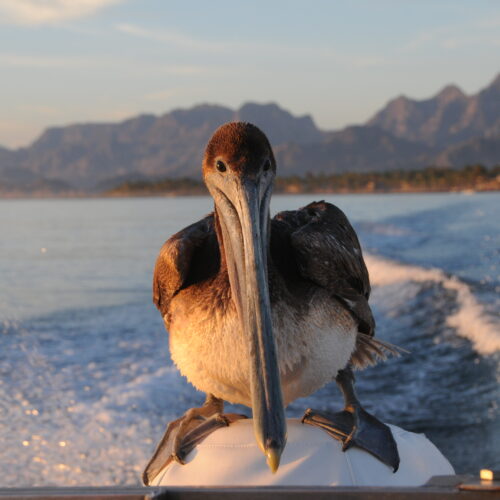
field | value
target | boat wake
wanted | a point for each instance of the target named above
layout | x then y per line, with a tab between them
469	317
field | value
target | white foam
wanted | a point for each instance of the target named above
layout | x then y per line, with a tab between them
471	320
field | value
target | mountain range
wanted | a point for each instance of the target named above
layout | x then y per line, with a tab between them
450	130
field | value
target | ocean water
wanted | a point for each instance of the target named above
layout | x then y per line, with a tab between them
87	385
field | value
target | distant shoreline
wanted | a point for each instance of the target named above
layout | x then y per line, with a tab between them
47	196
468	180
292	193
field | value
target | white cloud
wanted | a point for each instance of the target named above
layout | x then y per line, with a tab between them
267	51
173	38
35	12
183	41
476	32
122	65
48	61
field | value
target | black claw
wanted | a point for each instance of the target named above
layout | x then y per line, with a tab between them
347	443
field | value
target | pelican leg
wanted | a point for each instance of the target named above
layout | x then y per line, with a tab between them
182	435
354	426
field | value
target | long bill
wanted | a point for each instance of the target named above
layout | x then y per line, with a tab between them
244	221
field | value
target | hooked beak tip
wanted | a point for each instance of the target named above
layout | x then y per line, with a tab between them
273	458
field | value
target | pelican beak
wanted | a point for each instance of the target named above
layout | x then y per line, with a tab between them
243	211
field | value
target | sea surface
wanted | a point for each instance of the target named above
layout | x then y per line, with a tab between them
87	385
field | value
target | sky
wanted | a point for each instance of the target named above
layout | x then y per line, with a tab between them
73	61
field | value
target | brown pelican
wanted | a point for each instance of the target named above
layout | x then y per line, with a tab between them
261	312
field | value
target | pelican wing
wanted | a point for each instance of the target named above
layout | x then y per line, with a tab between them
181	261
318	244
327	252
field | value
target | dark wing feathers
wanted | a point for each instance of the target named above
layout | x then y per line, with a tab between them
327	252
174	266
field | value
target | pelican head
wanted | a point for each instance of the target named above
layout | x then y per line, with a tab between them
239	169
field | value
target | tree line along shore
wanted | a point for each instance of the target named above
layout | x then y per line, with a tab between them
430	179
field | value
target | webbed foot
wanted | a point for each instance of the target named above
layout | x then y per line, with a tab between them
355	426
182	435
358	428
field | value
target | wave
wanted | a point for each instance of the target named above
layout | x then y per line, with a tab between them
470	320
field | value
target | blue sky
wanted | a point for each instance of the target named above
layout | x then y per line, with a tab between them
66	61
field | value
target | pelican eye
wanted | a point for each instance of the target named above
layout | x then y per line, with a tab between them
220	166
267	165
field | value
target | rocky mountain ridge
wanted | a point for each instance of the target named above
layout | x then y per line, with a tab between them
448	118
451	129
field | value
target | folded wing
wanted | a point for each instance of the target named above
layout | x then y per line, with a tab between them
188	257
327	253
